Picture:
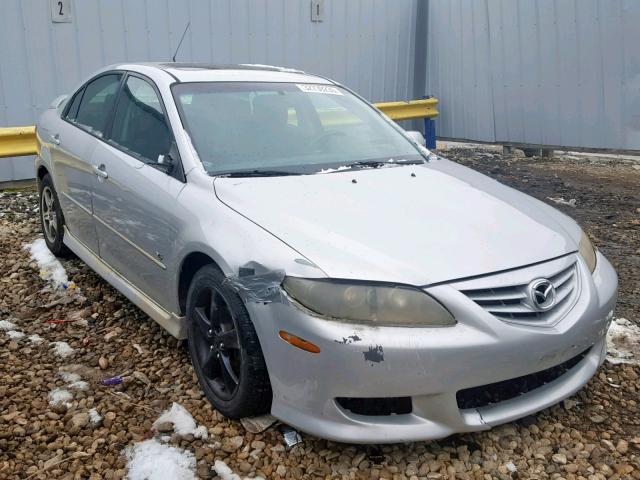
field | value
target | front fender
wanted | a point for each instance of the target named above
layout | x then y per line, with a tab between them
229	239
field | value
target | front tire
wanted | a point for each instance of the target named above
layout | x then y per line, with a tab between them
224	348
51	218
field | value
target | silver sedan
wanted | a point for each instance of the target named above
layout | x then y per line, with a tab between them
322	263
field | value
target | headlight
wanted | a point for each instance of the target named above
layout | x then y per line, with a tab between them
588	252
369	303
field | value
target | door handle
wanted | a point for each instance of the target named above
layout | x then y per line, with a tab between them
55	138
100	171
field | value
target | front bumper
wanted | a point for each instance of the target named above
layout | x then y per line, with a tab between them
429	365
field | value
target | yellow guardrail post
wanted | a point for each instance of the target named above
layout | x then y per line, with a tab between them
18	141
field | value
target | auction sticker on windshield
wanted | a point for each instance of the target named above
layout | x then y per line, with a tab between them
326	89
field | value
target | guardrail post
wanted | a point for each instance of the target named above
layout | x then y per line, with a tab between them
429	130
430	133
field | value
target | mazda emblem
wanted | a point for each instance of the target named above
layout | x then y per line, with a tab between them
542	294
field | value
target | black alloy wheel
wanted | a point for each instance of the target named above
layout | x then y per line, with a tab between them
224	347
51	218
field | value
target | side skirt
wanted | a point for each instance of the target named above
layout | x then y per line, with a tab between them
172	323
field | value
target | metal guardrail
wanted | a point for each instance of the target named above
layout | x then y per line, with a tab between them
20	141
425	108
411	110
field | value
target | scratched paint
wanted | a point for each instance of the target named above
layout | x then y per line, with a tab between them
350	339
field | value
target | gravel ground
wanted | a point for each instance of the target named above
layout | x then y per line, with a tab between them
594	435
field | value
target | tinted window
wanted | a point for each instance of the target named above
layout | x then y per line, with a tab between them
139	124
97	103
75	103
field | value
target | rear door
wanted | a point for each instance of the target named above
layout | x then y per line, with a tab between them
73	141
134	202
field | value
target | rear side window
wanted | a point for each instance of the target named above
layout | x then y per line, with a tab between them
139	124
97	103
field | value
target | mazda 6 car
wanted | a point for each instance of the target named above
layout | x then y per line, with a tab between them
323	264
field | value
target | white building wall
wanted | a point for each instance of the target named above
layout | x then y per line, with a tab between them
369	45
549	72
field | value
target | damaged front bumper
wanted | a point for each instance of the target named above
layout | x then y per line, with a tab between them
330	394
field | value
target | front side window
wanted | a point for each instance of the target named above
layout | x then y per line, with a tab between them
139	124
96	104
300	128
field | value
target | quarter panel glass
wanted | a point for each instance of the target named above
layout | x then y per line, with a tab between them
97	103
75	103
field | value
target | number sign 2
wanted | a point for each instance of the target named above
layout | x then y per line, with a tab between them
61	11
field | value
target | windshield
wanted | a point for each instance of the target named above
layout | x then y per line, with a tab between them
285	127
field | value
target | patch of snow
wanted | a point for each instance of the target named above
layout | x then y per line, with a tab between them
74	381
331	170
62	349
192	148
51	269
7	325
15	334
35	338
79	385
225	473
60	396
94	416
183	422
151	460
562	201
70	377
623	342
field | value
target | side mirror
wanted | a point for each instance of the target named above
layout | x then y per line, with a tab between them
417	137
169	160
171	164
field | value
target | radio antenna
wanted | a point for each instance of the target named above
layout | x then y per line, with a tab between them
181	39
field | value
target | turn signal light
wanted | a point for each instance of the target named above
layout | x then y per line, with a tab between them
299	342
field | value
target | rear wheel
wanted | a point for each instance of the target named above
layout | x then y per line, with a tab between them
224	348
51	218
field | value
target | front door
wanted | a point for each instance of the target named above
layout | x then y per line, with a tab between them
73	143
134	197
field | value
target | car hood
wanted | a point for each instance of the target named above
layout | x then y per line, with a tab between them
414	224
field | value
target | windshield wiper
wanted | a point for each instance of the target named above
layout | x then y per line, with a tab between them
382	163
257	173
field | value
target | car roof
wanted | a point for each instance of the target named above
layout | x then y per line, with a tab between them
205	72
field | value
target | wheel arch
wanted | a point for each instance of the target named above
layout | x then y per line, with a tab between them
41	172
193	262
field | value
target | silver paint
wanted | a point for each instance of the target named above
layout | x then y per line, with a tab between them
445	229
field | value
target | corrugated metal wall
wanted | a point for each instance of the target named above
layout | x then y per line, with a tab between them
552	72
369	45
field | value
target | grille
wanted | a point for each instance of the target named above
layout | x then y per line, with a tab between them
512	304
484	395
376	406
